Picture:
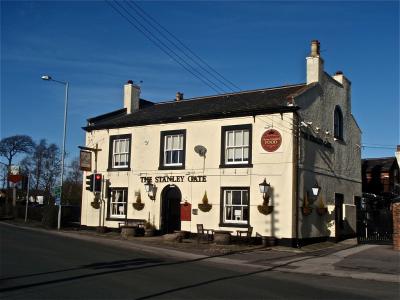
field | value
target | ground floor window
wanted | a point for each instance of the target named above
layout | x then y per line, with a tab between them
235	206
118	199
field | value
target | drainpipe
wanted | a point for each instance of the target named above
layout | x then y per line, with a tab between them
296	159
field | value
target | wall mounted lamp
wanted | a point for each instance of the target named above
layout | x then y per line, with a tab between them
264	189
316	189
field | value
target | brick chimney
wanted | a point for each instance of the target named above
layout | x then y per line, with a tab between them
131	96
315	64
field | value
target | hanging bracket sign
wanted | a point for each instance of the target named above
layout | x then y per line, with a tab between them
271	140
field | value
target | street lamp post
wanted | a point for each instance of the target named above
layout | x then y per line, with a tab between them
47	77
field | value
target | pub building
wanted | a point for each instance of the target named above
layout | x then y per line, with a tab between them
284	161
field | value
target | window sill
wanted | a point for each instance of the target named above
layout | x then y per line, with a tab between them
232	166
339	141
238	225
115	219
118	169
171	167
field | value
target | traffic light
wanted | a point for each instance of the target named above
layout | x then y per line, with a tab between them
89	182
97	182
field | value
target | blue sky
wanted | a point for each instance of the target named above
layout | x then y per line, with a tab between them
253	44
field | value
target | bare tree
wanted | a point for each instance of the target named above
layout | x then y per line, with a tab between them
14	145
44	164
72	188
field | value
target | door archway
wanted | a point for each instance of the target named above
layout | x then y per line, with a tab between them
170	209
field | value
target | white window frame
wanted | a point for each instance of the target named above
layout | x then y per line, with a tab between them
236	147
115	209
235	207
121	153
180	149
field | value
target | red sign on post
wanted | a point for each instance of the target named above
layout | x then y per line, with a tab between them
186	212
271	140
14	178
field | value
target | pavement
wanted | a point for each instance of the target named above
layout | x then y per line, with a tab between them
344	259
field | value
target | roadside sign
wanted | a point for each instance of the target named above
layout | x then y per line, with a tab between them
14	178
57	191
57	201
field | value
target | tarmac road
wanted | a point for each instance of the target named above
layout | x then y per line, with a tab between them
39	265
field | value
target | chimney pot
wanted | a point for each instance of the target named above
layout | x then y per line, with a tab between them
130	81
179	96
339	73
315	51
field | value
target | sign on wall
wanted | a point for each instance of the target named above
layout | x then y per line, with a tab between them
186	209
271	140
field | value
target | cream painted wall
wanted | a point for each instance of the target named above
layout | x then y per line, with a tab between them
276	167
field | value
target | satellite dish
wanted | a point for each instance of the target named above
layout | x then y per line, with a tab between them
200	150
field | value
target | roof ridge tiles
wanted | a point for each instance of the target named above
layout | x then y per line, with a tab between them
230	94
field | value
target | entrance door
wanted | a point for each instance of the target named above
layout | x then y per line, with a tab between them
171	209
339	224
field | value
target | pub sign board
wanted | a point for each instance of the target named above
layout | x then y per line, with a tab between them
271	140
85	160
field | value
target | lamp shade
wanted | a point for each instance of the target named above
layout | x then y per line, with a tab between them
316	189
148	186
264	186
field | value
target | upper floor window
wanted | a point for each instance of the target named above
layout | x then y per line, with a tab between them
120	148
236	146
338	124
172	149
118	199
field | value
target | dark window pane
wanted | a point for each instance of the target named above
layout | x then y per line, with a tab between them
236	197
245	213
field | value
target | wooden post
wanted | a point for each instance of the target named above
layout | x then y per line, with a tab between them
396	225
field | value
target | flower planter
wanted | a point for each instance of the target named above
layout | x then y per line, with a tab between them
101	229
127	231
265	209
149	232
222	237
95	204
268	241
138	205
306	210
205	207
322	210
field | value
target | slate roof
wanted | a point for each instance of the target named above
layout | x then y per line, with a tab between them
253	102
383	164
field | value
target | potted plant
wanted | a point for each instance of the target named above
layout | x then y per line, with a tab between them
149	229
306	209
138	205
205	206
95	204
321	209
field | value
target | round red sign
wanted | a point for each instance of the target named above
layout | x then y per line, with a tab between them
271	140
